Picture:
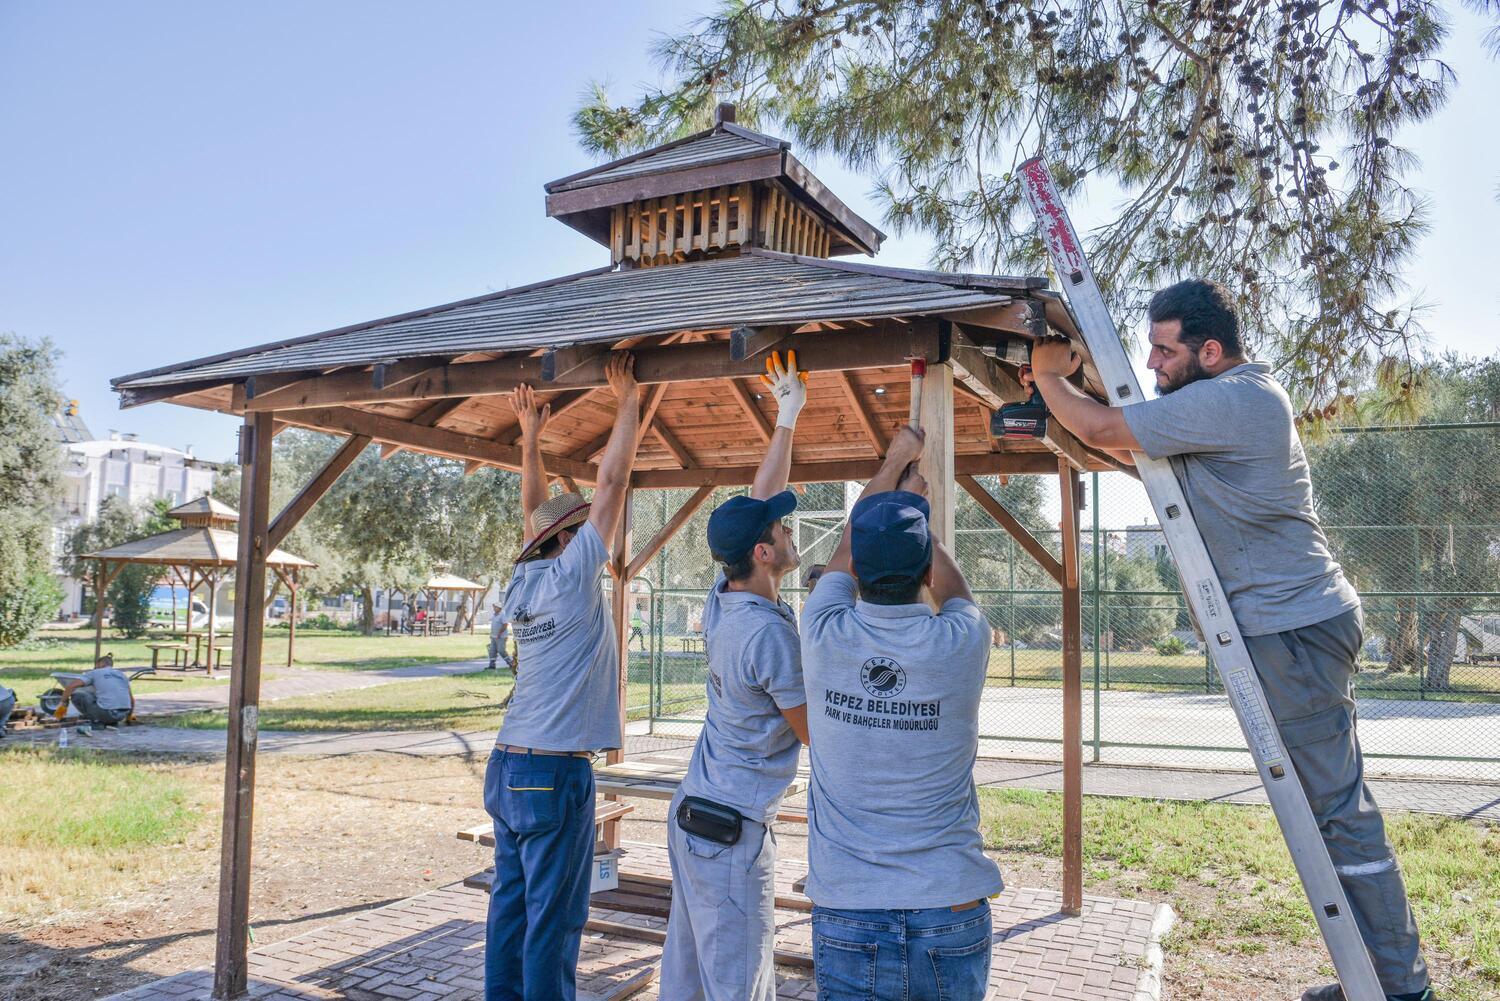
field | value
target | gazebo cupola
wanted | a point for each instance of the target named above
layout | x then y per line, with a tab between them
709	195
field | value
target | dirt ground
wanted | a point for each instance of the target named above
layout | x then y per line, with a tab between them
338	835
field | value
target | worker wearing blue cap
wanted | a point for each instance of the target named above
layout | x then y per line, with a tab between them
723	855
898	875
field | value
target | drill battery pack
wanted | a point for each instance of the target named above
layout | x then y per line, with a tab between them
1021	420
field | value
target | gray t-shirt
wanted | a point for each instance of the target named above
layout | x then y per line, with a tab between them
568	698
1234	447
111	687
893	715
746	755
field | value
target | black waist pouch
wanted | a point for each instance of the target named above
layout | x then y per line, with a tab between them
707	819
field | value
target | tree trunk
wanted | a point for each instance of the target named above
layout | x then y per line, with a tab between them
367	613
1405	651
1442	644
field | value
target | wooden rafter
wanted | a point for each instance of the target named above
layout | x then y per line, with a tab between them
743	397
661	538
862	413
671	444
846	469
428	417
314	489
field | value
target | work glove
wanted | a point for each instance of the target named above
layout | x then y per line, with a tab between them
788	387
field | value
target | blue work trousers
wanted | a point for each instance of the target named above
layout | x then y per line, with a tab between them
543	808
932	954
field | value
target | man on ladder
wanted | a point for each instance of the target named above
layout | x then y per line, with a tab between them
1227	428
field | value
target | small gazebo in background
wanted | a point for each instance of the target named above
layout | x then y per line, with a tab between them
442	582
202	553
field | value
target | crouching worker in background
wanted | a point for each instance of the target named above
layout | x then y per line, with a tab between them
898	875
101	696
719	838
539	786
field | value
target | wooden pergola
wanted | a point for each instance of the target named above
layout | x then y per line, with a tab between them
202	553
722	248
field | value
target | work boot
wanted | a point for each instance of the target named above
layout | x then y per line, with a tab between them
1333	992
492	666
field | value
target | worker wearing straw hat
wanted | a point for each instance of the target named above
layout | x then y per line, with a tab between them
539	786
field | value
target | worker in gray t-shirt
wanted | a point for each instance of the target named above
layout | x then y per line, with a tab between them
1227	427
719	839
897	870
539	784
101	696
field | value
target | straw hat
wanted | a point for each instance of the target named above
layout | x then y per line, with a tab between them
554	515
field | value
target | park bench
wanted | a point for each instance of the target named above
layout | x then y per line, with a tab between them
179	653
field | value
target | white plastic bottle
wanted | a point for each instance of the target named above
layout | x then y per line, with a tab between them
62	737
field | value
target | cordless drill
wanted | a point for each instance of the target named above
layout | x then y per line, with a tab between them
1021	420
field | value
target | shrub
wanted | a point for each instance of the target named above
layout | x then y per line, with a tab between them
130	600
26	604
1171	646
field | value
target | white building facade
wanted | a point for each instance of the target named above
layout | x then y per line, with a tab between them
120	466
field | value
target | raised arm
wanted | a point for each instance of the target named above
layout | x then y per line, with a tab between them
618	459
533	476
788	388
904	449
947	582
1093	423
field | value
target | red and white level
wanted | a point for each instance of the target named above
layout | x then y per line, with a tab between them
1205	596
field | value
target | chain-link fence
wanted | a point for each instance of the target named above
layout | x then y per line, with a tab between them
1413	514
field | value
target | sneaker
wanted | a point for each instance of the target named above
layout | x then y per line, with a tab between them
1333	992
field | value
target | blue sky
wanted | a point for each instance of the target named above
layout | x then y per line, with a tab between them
181	179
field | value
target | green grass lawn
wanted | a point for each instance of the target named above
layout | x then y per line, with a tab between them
460	702
78	825
1226	871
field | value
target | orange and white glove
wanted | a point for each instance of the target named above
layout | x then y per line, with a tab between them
788	387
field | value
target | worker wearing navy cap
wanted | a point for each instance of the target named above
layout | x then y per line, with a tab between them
723	854
898	876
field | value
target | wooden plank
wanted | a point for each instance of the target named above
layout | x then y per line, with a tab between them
864	236
936	464
746	400
669	441
673	525
745	216
1007	521
558	362
434	440
314	489
747	342
1026	317
231	966
663	186
428	417
887	344
1072	672
862	413
619	609
645	933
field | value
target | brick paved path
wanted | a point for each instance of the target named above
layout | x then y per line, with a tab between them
430	948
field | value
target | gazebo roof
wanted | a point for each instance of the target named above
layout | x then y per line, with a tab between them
204	505
452	582
191	547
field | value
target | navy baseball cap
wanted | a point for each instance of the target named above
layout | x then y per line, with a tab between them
889	536
737	524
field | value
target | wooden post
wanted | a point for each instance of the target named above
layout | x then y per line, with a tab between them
937	460
619	563
212	577
99	612
231	968
291	623
1072	671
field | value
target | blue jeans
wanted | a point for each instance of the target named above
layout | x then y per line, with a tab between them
933	954
543	808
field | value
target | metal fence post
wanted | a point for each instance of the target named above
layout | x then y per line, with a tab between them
1097	609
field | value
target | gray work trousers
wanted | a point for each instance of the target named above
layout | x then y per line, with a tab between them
87	704
1308	675
723	920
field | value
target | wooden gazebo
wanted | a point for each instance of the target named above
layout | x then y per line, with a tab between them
442	582
722	246
201	553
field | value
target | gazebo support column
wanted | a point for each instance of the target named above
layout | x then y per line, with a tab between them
1072	672
619	607
211	577
231	967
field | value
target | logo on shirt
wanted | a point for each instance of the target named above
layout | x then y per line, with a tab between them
523	614
882	677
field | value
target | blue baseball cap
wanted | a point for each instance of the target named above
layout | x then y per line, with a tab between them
889	536
737	524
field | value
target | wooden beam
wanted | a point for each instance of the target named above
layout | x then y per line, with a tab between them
747	342
1040	463
889	344
315	488
1072	672
437	441
427	418
231	967
873	431
1008	521
569	484
673	525
1026	317
557	362
936	464
654	396
746	400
